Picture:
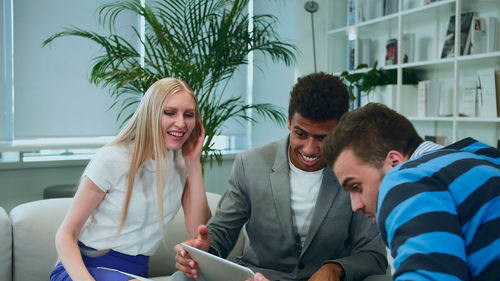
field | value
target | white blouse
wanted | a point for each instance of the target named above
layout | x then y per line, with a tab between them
141	232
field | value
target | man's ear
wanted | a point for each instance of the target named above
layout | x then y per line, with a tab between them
288	123
393	159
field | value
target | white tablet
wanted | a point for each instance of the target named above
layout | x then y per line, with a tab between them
214	268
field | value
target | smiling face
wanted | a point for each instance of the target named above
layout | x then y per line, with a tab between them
361	180
306	140
178	120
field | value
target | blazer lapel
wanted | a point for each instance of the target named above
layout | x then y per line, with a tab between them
280	190
327	193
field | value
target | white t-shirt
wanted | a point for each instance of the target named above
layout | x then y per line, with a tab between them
141	232
304	192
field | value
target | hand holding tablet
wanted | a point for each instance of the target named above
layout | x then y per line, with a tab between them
214	268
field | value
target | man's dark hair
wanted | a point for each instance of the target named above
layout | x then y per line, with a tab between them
319	97
371	132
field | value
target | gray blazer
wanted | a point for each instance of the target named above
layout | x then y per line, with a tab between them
258	197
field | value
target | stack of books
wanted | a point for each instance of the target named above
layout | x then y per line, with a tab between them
480	95
429	98
478	35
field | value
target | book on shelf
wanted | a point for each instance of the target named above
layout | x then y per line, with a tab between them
486	93
449	40
497	89
466	27
433	98
391	55
478	36
429	96
484	35
467	98
370	9
421	98
364	54
390	7
351	13
408	100
448	50
351	54
408	47
491	34
427	2
446	99
411	4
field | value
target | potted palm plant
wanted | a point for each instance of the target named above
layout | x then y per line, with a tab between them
200	42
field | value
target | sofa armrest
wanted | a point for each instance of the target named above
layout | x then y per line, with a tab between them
34	225
5	246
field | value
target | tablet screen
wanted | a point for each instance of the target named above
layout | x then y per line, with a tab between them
214	268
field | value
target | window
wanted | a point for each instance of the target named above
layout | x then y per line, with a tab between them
48	97
53	97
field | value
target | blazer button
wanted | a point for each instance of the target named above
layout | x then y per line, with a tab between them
301	265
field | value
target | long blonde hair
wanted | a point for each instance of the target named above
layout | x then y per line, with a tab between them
144	131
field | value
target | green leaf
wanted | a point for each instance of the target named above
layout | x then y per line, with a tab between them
367	80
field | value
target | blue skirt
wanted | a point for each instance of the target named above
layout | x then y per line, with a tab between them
137	265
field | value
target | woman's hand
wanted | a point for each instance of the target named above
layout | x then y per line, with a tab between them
191	150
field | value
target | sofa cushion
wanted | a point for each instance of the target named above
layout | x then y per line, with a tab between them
5	246
34	225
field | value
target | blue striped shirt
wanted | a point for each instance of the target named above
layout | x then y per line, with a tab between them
440	214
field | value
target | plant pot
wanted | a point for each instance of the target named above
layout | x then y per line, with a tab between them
381	94
385	95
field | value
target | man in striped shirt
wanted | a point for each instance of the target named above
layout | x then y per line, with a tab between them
438	211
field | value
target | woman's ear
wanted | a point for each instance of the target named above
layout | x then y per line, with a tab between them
393	159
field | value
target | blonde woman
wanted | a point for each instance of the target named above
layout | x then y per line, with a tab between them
133	187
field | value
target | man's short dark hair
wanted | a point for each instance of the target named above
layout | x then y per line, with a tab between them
371	132
319	97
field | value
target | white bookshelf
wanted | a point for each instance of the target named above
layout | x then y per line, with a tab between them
429	23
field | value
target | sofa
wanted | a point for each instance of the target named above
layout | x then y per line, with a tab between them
27	250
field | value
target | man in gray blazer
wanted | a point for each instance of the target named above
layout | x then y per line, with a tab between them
298	219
